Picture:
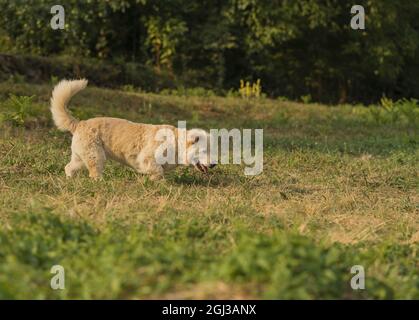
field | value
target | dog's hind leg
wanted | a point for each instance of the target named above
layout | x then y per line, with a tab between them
89	149
94	158
74	165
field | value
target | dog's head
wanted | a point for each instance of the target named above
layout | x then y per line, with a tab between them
198	149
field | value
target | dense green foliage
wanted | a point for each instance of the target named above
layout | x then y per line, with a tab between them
297	48
120	261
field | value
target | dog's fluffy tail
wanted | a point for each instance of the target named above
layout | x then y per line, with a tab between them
61	95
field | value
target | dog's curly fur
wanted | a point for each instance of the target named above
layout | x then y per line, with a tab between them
97	139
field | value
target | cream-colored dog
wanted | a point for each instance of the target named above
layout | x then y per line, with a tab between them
133	144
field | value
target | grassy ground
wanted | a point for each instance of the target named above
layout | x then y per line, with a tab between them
339	188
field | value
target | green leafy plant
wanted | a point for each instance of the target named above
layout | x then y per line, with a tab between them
401	111
409	108
128	88
306	98
391	109
17	109
54	80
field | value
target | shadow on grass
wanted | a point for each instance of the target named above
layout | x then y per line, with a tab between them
212	179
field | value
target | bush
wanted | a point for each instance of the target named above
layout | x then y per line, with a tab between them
401	111
21	111
35	69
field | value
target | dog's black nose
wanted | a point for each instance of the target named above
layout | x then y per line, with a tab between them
212	165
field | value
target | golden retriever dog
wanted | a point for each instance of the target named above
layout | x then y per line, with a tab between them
133	144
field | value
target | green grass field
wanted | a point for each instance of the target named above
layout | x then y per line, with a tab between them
339	188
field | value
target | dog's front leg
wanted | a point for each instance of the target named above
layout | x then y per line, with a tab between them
148	165
156	172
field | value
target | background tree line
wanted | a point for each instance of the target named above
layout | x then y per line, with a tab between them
296	47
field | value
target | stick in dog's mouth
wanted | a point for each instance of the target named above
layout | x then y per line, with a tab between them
201	167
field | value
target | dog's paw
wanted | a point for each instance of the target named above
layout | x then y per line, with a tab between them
96	177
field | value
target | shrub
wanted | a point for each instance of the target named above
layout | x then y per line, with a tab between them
21	111
401	111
